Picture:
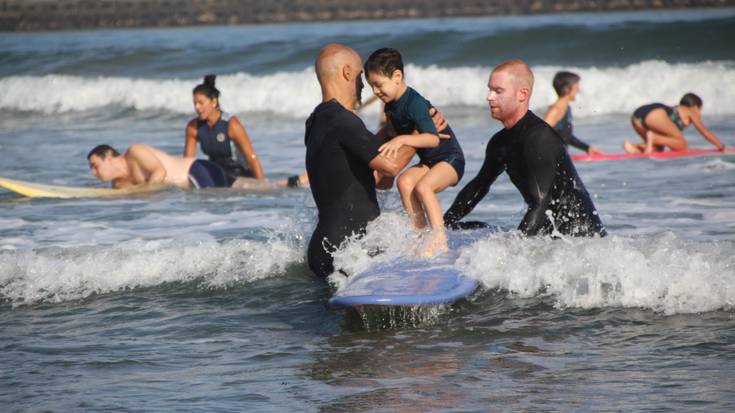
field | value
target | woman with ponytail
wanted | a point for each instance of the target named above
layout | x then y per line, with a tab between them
221	136
225	141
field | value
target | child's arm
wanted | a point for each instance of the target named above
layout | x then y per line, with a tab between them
405	154
419	140
706	133
554	115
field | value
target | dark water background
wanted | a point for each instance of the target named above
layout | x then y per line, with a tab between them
202	301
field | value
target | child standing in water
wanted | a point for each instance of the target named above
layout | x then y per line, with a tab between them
441	160
559	115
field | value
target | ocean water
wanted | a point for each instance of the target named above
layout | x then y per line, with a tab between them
202	301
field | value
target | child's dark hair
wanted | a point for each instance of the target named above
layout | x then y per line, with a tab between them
103	151
690	99
207	88
563	82
384	61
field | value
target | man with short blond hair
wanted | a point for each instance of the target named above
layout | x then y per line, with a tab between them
534	157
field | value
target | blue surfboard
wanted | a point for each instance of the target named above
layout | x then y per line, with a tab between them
405	284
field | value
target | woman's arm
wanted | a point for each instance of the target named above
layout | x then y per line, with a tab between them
238	133
190	142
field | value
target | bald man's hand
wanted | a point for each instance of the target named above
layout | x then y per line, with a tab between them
439	122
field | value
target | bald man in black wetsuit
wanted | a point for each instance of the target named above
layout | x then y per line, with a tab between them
534	157
341	157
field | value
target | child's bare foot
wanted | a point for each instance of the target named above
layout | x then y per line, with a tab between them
437	244
630	148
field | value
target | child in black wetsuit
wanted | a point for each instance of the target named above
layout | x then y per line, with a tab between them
441	160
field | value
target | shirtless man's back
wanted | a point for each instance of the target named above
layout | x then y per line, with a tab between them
146	162
144	165
140	165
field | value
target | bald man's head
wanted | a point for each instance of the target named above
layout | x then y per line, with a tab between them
332	58
519	72
339	70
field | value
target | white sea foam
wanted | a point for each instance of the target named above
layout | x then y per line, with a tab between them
62	274
605	91
662	273
390	232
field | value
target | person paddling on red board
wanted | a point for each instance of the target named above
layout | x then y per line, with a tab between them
660	126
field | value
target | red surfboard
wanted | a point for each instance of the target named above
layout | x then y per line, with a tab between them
654	155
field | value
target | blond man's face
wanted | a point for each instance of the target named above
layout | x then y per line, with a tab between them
504	96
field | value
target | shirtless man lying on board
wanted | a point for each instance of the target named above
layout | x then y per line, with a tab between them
142	164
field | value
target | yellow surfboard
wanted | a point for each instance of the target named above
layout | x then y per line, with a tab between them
34	190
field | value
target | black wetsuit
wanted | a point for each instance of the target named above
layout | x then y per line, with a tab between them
338	150
565	130
538	165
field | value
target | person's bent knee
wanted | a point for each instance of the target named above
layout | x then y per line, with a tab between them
405	183
679	146
423	190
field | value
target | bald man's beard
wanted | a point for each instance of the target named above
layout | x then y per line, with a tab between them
358	89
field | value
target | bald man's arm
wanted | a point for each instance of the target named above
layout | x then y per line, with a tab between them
385	181
405	154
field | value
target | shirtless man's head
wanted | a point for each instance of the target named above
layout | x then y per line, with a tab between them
105	162
339	71
510	87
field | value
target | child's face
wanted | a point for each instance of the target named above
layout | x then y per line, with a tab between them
387	89
573	91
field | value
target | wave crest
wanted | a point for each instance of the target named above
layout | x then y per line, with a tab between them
63	274
294	94
665	273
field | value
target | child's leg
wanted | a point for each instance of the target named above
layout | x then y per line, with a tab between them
662	131
406	184
439	177
641	130
638	127
672	142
